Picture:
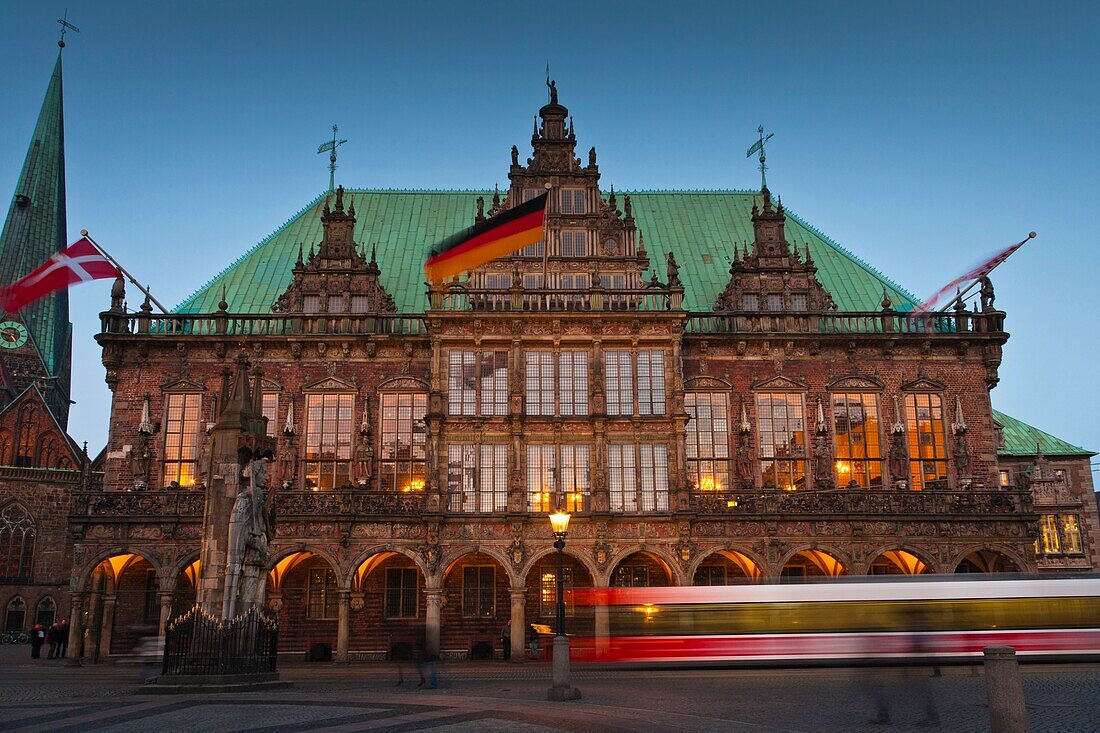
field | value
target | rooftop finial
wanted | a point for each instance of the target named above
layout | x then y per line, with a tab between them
65	27
551	86
758	146
330	148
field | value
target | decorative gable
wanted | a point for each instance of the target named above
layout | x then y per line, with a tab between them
337	278
780	384
855	384
331	384
923	384
31	437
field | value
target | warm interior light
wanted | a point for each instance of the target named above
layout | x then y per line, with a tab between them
709	483
416	484
843	468
559	520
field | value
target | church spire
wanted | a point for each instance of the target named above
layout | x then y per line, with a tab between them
35	228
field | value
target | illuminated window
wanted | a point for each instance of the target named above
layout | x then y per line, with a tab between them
574	243
621	376
858	448
548	589
401	592
479	591
329	421
707	440
1048	534
403	456
554	470
638	476
181	426
572	201
927	448
17	536
477	478
781	428
1071	534
322	598
570	388
1006	478
630	576
477	383
271	411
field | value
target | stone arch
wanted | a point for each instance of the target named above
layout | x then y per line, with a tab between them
988	559
45	611
85	573
906	559
815	556
283	553
747	561
671	567
577	554
456	554
303	589
475	603
15	614
173	571
371	552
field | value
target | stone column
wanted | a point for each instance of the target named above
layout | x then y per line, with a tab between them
342	626
518	624
434	603
107	626
76	629
165	612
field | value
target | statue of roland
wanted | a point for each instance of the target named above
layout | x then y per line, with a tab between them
246	552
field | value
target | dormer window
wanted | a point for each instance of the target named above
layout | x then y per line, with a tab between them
572	201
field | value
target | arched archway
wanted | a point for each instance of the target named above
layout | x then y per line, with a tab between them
812	564
186	588
726	567
541	603
387	607
642	569
476	605
986	561
124	604
899	562
303	591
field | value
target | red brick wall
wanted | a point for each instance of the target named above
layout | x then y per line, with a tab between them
370	629
459	633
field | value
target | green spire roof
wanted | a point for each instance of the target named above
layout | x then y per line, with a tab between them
700	226
35	229
1020	439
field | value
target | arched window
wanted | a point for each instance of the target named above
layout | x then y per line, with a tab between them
6	445
17	534
28	435
45	612
48	453
15	618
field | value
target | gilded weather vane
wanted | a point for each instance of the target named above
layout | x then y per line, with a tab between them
330	148
759	146
65	27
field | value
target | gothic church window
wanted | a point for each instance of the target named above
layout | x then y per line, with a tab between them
15	615
404	441
638	476
329	421
927	446
707	440
45	612
28	435
858	447
17	536
181	423
781	428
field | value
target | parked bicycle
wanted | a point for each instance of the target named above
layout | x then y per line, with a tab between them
15	637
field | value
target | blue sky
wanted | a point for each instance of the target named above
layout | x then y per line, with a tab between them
919	135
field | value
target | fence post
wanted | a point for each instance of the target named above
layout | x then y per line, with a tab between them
1004	692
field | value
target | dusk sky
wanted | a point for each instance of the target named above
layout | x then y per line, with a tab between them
921	136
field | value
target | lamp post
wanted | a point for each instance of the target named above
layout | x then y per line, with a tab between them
561	689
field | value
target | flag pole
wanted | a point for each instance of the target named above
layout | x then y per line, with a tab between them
546	240
993	265
120	268
968	288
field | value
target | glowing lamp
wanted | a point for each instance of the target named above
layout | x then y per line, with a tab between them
559	521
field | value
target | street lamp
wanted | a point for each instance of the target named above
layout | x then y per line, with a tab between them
561	689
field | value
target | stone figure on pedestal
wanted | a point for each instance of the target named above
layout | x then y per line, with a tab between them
246	552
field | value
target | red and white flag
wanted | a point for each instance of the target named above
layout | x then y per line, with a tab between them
975	273
77	263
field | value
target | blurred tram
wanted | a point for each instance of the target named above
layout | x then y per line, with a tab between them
843	622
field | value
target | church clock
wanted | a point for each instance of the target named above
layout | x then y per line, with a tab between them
12	334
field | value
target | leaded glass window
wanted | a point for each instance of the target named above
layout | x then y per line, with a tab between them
707	440
568	388
781	429
622	371
574	243
322	597
181	425
477	382
403	458
557	475
1048	534
548	589
271	411
401	592
477	477
539	377
572	201
619	378
927	441
638	477
573	382
1071	534
858	445
479	591
630	576
329	422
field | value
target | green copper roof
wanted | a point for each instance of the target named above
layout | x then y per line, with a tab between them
700	226
35	229
1021	439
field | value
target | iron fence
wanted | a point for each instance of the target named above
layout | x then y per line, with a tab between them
198	643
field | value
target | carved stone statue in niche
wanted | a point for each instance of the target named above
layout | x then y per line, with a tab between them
364	457
899	459
961	454
285	466
143	456
823	463
742	464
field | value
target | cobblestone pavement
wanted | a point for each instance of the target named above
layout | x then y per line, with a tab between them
44	695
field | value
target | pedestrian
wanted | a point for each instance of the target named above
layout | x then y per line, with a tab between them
38	638
506	641
53	638
426	663
534	640
63	639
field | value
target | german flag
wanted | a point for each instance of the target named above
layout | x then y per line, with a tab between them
505	233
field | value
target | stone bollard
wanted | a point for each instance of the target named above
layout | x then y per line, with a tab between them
1005	694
